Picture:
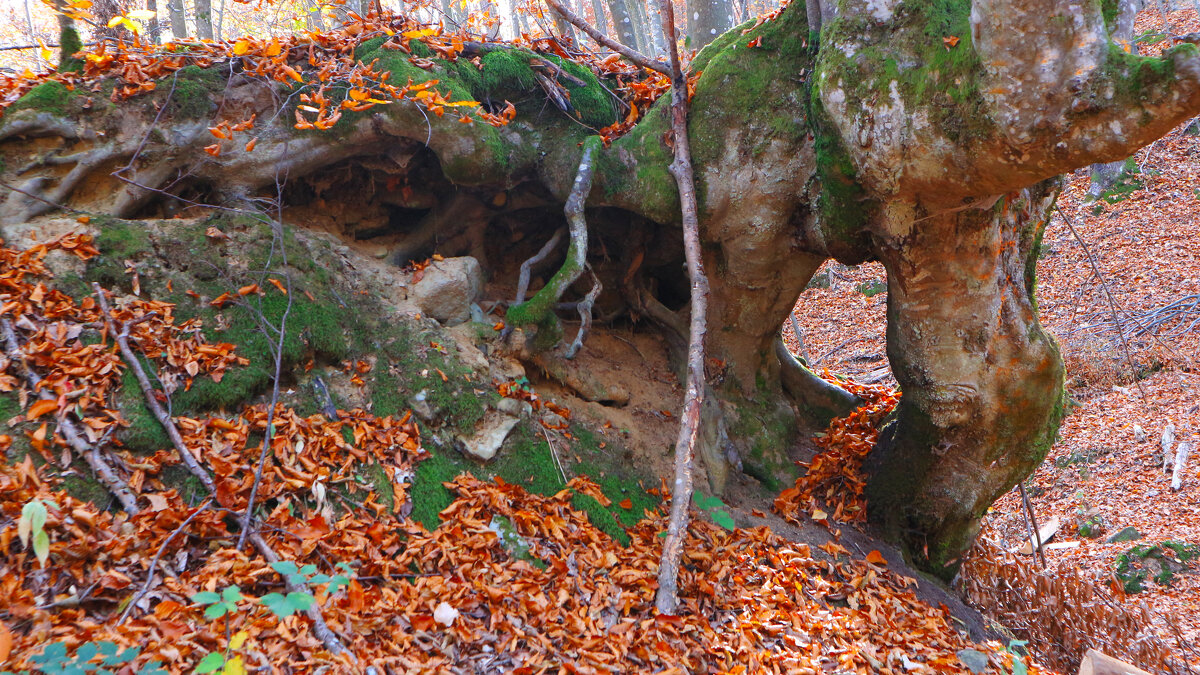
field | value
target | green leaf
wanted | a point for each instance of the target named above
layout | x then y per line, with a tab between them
308	570
205	598
152	668
231	594
723	519
285	567
277	604
216	610
301	601
319	579
125	656
86	652
41	546
210	663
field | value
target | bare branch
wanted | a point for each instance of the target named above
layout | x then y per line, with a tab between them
70	432
634	56
121	335
666	600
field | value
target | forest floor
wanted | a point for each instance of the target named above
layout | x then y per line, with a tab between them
1143	245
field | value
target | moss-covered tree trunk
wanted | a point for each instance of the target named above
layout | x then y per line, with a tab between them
982	382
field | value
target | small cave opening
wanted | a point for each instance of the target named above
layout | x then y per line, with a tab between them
399	207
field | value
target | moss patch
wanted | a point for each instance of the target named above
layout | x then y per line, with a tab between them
49	96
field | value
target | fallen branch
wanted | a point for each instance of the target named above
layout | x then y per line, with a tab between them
634	56
666	599
1112	304
107	476
120	333
158	556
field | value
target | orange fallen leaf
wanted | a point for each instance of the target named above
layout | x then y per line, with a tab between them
40	408
876	558
626	503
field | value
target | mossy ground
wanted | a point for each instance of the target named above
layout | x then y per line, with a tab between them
409	357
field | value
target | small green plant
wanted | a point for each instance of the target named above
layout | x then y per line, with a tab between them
219	604
1017	649
1125	184
872	288
31	529
90	658
1150	37
715	509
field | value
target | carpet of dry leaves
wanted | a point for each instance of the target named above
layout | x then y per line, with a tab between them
460	598
1145	249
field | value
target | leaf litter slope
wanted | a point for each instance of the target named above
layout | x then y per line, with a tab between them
1144	246
571	598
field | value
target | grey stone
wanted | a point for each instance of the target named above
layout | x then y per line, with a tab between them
485	441
447	289
975	660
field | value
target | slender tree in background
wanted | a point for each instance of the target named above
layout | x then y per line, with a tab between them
622	23
706	20
204	19
601	22
153	26
1121	32
178	16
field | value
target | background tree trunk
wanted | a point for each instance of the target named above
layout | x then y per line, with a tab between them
178	15
706	20
1120	30
204	19
622	23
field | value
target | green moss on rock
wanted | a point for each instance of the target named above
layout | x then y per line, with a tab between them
49	96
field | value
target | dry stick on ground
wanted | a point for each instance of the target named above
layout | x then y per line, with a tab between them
1112	304
71	433
320	628
157	556
666	600
121	335
1035	531
277	352
634	56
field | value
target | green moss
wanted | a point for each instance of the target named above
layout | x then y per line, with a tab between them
144	433
118	241
69	45
193	91
593	105
429	497
1136	80
49	96
764	431
1111	10
506	70
368	46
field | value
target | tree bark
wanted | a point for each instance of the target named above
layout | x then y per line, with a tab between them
706	20
982	382
178	15
204	19
623	23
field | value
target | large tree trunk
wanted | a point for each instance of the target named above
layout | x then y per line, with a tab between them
982	382
622	23
178	14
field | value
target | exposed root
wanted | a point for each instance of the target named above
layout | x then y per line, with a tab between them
527	266
585	317
71	432
817	398
540	307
